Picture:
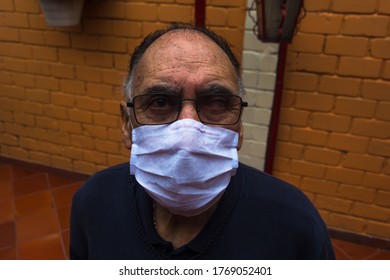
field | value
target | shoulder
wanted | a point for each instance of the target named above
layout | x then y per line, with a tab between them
105	183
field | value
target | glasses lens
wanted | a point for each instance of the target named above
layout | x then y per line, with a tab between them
156	108
219	109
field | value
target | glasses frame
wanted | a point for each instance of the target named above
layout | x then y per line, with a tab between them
242	104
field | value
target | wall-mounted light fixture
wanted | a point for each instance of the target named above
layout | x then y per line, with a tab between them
277	19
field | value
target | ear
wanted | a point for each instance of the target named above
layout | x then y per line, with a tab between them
126	127
240	137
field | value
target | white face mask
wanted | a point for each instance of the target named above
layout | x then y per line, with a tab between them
184	166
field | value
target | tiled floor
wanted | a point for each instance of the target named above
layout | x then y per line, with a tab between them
35	210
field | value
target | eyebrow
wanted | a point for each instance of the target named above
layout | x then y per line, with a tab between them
215	89
160	89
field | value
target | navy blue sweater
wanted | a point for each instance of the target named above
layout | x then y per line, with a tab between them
258	217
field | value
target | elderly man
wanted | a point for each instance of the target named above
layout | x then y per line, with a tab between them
184	195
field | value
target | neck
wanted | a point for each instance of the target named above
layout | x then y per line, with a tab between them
179	230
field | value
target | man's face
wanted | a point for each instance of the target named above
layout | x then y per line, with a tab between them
186	64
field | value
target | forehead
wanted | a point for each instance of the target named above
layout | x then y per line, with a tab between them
184	54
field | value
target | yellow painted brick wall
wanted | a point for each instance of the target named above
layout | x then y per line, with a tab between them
334	136
60	87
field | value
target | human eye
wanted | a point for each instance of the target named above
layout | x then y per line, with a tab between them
215	102
159	102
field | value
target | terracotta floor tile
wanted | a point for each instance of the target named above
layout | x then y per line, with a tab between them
64	217
65	237
6	190
58	181
28	204
63	195
8	253
45	248
355	251
36	225
7	234
31	184
382	255
21	172
7	210
5	173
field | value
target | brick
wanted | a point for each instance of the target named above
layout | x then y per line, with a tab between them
346	222
96	131
322	155
294	117
183	13
344	175
257	115
56	112
24	119
63	99
100	91
71	56
88	74
61	162
73	153
38	95
365	25
300	81
333	204
349	46
356	193
27	6
216	16
56	39
10	104
70	126
339	85
38	22
149	27
111	77
236	17
84	41
315	102
280	164
89	104
16	50
384	7
317	63
321	23
367	67
346	142
106	120
13	92
330	122
9	34
14	64
62	71
289	178
99	26
289	150
314	5
284	132
112	44
31	107
44	53
15	20
355	107
84	167
32	36
99	59
380	48
383	111
81	141
383	199
255	132
7	5
354	6
371	212
299	43
376	89
371	128
72	86
127	29
106	146
376	181
47	83
45	122
363	162
106	9
319	186
95	157
142	12
7	116
308	136
38	67
23	80
115	159
80	116
378	229
40	157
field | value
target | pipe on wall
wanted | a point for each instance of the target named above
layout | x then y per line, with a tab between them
200	13
277	101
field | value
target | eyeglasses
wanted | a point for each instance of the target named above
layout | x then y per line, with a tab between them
217	109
